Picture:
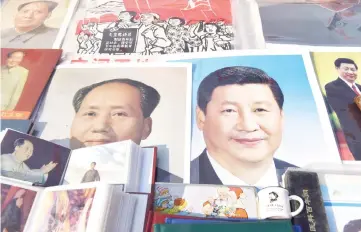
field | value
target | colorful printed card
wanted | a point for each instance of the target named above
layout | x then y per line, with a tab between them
206	200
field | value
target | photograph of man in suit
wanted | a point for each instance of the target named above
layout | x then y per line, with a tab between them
340	95
13	79
29	30
115	110
239	110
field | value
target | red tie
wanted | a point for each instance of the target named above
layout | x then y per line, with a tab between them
355	90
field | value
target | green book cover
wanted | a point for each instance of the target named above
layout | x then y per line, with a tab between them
258	226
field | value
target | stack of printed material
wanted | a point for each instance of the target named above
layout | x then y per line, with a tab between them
34	161
91	207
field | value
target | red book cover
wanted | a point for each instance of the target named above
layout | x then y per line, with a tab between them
24	75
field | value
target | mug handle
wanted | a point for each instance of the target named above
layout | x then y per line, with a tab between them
300	208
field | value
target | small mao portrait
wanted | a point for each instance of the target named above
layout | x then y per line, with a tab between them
273	196
13	164
28	27
13	79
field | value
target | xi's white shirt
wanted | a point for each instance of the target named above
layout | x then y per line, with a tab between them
350	85
269	178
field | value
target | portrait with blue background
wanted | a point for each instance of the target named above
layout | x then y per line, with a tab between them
303	141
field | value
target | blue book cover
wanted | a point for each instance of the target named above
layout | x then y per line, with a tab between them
18	125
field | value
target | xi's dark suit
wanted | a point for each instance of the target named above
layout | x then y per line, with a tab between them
202	171
341	98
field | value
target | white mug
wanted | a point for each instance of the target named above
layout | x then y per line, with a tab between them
274	203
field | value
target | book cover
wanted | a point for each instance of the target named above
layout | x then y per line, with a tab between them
24	75
16	204
32	160
18	125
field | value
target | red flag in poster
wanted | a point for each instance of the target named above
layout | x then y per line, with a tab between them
190	10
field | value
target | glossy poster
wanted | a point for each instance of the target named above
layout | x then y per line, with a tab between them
254	114
339	79
150	27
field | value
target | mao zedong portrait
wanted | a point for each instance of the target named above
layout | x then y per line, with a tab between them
13	79
112	111
13	165
29	29
240	113
340	95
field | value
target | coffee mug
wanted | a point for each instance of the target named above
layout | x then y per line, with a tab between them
274	203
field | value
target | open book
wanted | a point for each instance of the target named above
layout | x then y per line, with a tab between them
89	207
39	162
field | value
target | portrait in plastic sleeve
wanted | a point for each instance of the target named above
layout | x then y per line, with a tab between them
32	23
244	115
